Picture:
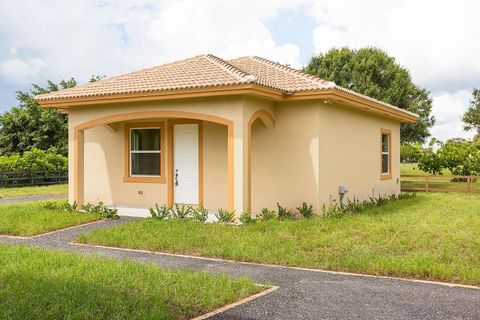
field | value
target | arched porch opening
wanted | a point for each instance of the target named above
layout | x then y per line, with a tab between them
170	117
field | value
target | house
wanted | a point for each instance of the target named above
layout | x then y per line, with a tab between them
241	134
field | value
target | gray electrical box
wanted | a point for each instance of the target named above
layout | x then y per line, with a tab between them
342	190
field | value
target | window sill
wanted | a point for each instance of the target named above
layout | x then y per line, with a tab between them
145	179
386	176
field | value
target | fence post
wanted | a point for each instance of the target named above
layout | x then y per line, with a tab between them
426	184
469	184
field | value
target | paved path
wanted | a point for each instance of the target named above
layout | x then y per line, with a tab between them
33	198
303	294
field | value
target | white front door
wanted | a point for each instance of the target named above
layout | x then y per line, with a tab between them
185	159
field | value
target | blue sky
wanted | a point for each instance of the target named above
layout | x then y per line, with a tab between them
57	39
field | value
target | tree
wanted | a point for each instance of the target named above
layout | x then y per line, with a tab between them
460	156
29	126
410	152
471	118
372	72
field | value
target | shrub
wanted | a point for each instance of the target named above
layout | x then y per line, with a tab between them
283	213
266	215
200	214
99	208
34	160
224	215
109	213
246	218
71	207
356	206
181	212
93	208
160	213
305	210
55	205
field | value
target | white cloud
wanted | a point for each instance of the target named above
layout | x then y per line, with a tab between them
110	37
448	109
21	71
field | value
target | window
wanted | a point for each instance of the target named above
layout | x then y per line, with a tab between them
144	146
386	155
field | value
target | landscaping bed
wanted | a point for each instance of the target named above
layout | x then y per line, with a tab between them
33	218
431	236
43	284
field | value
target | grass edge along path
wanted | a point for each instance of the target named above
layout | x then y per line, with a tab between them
430	237
28	219
46	284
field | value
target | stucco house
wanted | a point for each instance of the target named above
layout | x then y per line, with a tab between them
241	134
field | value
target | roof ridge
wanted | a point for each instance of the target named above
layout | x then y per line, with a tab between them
248	77
309	77
242	75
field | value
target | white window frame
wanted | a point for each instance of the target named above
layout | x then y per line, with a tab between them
388	134
130	158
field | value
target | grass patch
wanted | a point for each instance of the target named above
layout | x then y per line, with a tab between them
431	236
31	191
31	218
42	284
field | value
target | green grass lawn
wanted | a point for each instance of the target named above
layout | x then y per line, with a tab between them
41	284
31	218
30	191
432	236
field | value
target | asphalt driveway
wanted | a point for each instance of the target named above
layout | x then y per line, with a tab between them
302	294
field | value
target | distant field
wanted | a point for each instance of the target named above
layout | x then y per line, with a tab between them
32	191
412	168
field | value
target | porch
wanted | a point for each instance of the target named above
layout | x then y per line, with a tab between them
135	159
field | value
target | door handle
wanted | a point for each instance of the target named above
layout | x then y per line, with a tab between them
176	177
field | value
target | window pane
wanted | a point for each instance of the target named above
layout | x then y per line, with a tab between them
145	164
145	139
385	163
385	143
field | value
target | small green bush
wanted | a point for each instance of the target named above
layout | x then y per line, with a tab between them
182	212
306	210
266	215
93	208
246	218
55	205
224	215
356	206
71	207
109	213
160	213
283	213
199	214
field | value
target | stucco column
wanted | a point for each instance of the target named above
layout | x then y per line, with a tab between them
78	169
240	162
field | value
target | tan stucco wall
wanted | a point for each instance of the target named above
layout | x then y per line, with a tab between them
313	148
316	147
104	152
215	165
349	153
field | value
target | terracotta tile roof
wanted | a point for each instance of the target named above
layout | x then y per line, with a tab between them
286	78
205	71
198	72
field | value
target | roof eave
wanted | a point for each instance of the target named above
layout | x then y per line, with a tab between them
358	102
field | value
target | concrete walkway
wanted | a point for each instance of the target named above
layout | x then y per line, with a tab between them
33	198
303	294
